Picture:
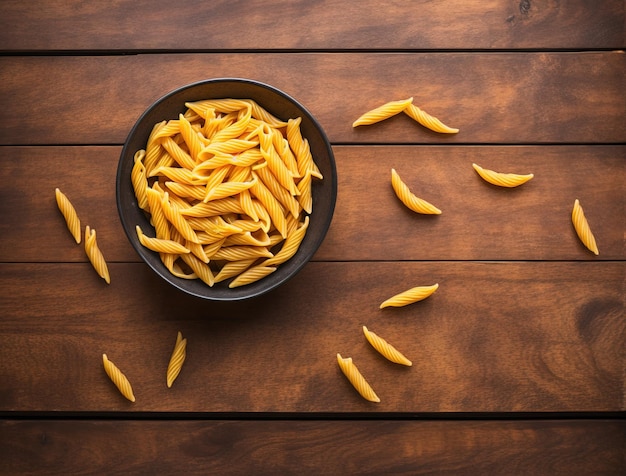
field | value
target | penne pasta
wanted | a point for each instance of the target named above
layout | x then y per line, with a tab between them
383	112
410	296
176	359
69	214
95	255
502	179
356	379
118	378
583	230
412	202
427	120
385	348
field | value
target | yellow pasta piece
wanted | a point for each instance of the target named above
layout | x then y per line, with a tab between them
412	202
69	213
427	120
118	378
383	112
502	179
139	179
160	245
385	348
410	296
251	275
290	245
95	255
357	380
177	359
583	230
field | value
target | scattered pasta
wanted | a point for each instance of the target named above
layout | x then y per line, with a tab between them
383	112
410	296
581	225
502	179
95	255
118	378
427	120
412	202
177	359
228	189
385	348
356	379
70	215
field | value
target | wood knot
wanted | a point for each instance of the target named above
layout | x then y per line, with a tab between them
524	7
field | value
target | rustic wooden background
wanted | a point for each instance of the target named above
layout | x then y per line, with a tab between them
519	357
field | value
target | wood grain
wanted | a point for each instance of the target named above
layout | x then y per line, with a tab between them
314	447
479	221
458	24
495	337
510	98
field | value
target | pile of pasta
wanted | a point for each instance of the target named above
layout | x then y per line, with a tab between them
228	188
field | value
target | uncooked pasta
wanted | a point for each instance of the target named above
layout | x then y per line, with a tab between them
95	255
411	201
177	359
502	179
383	112
385	348
228	190
357	380
69	213
427	120
410	296
583	230
118	378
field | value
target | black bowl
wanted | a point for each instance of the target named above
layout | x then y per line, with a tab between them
279	104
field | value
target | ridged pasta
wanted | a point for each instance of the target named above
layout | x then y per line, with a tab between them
251	275
385	348
502	179
357	380
410	296
383	112
118	378
427	120
69	214
583	230
224	185
176	360
95	255
412	202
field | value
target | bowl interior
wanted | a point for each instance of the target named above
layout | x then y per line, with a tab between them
279	104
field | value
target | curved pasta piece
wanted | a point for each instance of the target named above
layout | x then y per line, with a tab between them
160	245
383	112
502	179
177	359
583	230
118	378
95	255
427	120
138	177
385	348
356	379
251	275
290	245
69	213
412	202
410	296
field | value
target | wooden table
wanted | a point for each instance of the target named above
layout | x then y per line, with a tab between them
519	364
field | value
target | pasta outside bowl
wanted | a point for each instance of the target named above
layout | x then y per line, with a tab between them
177	200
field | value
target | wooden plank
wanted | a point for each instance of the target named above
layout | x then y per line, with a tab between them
492	98
479	221
314	447
73	25
495	337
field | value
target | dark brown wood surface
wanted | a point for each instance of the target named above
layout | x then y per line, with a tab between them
313	447
519	360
